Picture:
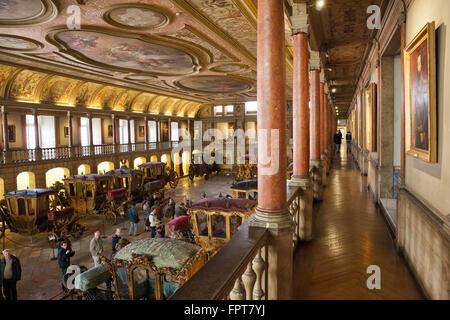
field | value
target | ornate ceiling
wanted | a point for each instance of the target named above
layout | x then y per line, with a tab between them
339	31
169	57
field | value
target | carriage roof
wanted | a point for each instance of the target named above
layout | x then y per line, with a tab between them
122	172
34	193
152	164
224	204
245	185
88	177
165	252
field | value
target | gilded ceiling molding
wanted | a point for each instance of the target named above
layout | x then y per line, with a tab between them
213	27
22	13
6	73
215	52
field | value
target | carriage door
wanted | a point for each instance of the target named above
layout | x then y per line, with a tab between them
80	198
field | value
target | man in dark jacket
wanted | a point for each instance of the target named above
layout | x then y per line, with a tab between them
115	240
348	139
180	210
133	218
10	273
64	255
338	140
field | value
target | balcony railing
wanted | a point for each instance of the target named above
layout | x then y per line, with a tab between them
66	152
239	271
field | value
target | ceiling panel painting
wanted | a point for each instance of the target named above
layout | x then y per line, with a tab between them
127	53
58	90
20	9
214	84
136	17
25	85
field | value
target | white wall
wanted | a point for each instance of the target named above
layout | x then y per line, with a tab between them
431	182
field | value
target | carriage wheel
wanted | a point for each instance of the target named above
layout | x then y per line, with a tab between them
110	218
174	181
191	174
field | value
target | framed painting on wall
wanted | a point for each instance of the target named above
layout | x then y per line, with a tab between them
12	133
141	131
110	130
371	117
420	83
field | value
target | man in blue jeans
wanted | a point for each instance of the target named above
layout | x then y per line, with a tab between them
348	139
133	218
338	140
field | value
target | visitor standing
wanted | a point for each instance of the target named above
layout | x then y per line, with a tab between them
338	140
348	139
10	273
115	240
96	248
146	207
133	218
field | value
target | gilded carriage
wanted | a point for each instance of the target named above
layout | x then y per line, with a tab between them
246	189
87	193
245	171
200	169
130	179
216	220
159	171
151	269
31	211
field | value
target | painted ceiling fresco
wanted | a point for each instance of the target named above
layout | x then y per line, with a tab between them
20	9
127	53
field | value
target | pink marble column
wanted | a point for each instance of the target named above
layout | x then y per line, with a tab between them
316	87
271	104
300	107
322	118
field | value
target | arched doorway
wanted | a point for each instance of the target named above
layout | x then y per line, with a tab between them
186	158
84	169
2	189
26	180
153	159
166	158
176	163
105	167
124	163
139	161
56	175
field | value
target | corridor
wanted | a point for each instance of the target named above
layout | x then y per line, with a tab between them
350	234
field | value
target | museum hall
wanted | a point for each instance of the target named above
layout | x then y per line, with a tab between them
224	150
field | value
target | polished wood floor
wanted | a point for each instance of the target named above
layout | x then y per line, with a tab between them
350	234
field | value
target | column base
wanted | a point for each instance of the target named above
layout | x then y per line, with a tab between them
300	181
317	179
324	158
274	220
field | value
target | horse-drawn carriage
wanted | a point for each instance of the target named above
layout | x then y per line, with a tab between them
216	220
94	194
32	211
200	169
246	189
159	171
127	178
150	269
245	171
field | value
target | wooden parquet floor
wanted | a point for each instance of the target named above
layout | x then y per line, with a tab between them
350	234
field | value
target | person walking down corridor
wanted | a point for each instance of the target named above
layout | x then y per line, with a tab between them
10	273
338	140
96	248
348	139
133	218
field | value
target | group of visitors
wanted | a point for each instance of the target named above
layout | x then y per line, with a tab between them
338	140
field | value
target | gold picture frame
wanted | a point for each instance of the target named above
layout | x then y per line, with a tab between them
420	83
371	117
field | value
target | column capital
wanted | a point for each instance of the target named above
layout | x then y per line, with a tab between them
314	60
